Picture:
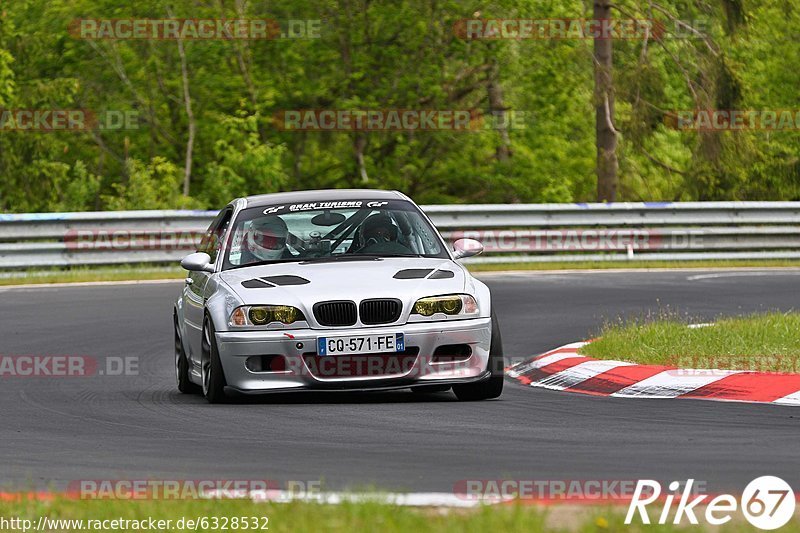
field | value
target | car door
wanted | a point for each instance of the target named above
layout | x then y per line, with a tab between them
195	288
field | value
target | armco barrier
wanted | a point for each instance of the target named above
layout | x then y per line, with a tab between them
510	233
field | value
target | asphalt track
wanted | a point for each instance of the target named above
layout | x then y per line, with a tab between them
55	430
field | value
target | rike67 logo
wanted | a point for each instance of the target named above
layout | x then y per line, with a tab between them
767	502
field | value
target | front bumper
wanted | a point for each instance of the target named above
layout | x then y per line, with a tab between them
303	371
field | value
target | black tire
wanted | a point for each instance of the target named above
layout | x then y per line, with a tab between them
425	389
185	385
492	387
213	376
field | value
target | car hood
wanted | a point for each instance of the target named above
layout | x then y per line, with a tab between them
302	285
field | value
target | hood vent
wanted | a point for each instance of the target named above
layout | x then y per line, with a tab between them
413	273
422	273
256	284
272	281
286	280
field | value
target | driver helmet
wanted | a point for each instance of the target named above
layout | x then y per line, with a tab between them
266	238
378	228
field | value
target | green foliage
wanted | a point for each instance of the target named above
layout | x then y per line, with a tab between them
149	186
6	77
392	55
77	189
241	162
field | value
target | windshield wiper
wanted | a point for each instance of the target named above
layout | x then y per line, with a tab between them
327	259
356	257
342	257
267	262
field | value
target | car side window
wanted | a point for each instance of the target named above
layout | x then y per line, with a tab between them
212	240
215	244
204	242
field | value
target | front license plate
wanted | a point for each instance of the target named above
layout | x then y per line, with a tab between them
360	344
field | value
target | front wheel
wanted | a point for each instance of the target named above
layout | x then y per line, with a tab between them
185	385
492	387
211	368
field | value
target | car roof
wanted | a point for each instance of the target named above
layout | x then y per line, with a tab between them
322	195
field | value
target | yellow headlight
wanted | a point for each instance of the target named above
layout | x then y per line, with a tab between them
266	314
259	316
449	305
425	307
285	314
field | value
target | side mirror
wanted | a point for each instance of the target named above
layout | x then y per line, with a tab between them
466	248
198	262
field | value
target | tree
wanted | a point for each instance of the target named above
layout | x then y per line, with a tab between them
605	133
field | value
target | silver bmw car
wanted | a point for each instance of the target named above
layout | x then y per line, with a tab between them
333	290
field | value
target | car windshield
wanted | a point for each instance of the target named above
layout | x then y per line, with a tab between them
331	231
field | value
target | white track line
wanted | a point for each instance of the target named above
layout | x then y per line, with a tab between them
572	376
411	499
791	399
738	274
544	361
66	285
573	345
648	270
669	384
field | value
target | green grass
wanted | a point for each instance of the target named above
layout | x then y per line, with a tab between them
144	272
81	275
350	517
608	265
768	342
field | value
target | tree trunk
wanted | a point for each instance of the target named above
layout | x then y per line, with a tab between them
605	134
359	144
497	112
187	99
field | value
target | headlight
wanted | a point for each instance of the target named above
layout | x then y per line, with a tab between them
261	315
451	305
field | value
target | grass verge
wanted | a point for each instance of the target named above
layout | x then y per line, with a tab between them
768	342
82	275
301	517
132	273
609	265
